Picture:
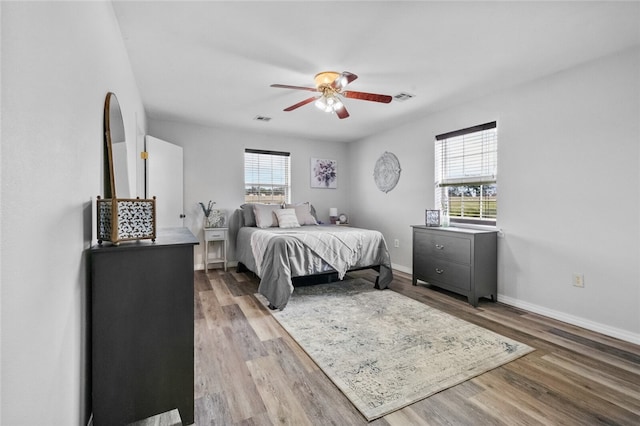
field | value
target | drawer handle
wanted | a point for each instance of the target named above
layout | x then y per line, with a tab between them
439	271
439	246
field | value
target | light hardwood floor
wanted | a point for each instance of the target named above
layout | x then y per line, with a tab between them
250	372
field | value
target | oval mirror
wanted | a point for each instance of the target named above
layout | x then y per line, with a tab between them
116	179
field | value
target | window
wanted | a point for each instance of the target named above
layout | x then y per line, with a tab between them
466	174
266	177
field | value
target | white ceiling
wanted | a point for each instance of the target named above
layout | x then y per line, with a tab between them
211	62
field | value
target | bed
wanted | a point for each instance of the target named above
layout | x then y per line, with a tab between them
278	249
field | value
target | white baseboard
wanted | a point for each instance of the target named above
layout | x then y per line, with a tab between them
200	266
572	319
401	268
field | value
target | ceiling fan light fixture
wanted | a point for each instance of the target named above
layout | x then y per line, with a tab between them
330	85
321	104
329	103
325	78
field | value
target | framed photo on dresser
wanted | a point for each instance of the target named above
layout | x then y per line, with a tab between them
432	217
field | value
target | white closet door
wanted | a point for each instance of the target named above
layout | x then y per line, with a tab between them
164	180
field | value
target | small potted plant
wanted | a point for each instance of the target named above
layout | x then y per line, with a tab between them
207	213
213	218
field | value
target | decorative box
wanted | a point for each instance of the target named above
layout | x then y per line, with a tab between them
124	219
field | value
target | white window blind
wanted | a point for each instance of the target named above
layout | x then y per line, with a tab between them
468	156
466	163
266	176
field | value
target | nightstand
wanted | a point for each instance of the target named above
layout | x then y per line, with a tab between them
215	236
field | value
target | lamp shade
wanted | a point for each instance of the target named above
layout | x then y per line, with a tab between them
333	211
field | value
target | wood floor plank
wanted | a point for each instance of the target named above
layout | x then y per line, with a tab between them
264	325
239	277
210	308
450	407
623	354
212	403
170	418
599	384
198	313
238	288
301	356
511	409
404	417
561	340
605	340
276	391
249	371
509	414
571	399
238	386
222	292
240	331
615	378
201	283
601	398
505	388
314	389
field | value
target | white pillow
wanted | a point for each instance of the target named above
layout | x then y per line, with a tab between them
287	218
265	217
303	213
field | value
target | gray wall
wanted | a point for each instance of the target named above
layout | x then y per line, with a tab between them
59	60
568	190
214	169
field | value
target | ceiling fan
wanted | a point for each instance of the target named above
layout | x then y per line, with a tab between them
330	85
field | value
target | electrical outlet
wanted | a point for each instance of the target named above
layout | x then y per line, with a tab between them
396	243
578	280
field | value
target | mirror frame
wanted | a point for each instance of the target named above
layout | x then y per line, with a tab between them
109	175
120	219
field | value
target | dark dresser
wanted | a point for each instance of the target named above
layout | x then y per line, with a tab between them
460	260
142	328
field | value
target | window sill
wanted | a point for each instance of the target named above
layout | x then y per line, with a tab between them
474	226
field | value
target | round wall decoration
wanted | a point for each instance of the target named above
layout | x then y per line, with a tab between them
386	172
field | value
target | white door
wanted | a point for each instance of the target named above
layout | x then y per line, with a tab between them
164	180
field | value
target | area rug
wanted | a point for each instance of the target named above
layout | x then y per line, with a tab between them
384	350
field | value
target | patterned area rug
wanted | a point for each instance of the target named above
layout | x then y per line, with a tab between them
384	350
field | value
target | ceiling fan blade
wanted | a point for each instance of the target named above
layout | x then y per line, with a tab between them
301	103
342	112
363	96
286	86
343	79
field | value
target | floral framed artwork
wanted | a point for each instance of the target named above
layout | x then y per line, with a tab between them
324	173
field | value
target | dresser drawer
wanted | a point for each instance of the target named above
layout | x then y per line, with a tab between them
439	271
214	234
451	248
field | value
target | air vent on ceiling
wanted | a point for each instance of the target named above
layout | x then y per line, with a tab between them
261	118
403	96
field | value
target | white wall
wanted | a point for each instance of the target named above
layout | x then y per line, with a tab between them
214	169
569	161
59	60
